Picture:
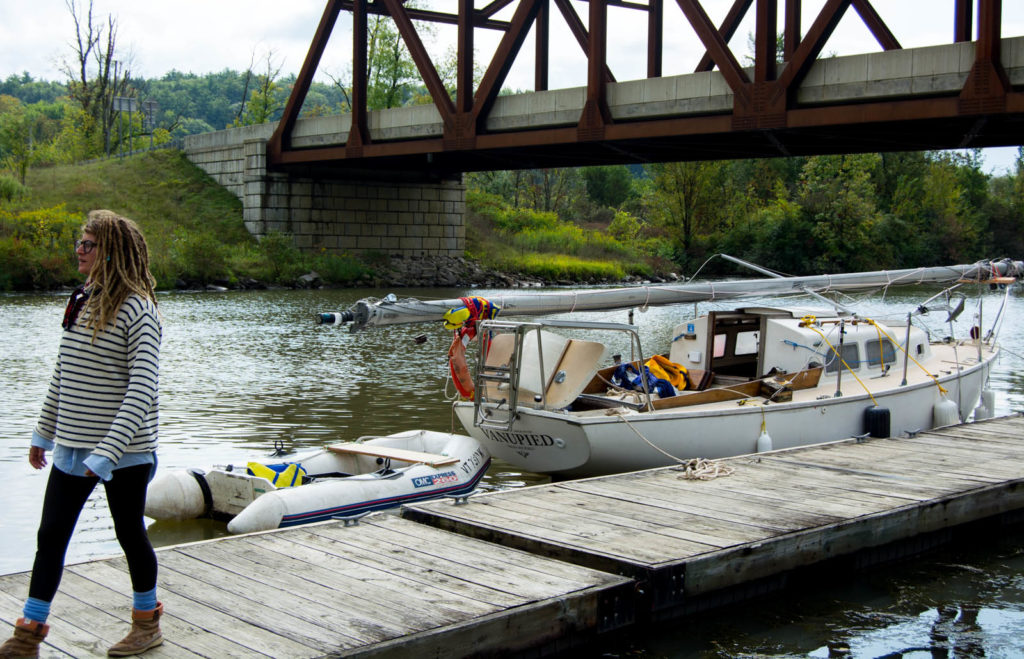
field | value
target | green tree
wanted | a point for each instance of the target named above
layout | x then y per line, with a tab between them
608	186
687	197
265	102
950	206
95	76
838	197
392	79
1018	184
30	90
15	144
78	138
26	133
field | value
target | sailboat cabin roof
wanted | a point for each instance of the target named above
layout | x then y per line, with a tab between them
752	342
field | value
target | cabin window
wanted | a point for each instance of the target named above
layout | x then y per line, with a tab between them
887	356
851	355
746	343
719	345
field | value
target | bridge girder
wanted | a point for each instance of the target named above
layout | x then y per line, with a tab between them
765	119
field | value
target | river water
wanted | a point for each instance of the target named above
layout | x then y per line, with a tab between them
242	372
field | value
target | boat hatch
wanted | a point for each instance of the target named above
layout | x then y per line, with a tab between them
728	343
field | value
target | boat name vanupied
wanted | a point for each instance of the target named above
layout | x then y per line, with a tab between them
519	438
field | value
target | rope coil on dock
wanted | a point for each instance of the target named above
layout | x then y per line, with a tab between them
702	469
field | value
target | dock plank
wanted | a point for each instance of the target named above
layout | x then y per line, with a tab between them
518	526
422	577
11	609
825	492
954	448
481	565
109	581
628	511
985	448
732	505
374	591
366	619
937	472
600	523
199	589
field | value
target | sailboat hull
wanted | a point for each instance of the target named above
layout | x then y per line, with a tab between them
614	441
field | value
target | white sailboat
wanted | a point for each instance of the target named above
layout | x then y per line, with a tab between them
546	399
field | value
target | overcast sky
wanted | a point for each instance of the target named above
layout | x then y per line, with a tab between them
202	36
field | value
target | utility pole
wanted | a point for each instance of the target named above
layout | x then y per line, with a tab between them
149	109
129	105
106	124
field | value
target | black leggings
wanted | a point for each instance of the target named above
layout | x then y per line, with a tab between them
64	500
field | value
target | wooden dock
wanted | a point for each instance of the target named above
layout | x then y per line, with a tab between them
540	569
385	587
687	541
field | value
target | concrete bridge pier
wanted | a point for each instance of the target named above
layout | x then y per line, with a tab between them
397	219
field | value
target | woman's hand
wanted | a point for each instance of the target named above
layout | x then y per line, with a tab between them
37	457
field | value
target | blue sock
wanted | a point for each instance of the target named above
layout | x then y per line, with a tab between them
144	601
36	610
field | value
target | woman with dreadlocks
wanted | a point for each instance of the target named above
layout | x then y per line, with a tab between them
100	420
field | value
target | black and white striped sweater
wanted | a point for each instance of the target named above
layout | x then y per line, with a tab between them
104	393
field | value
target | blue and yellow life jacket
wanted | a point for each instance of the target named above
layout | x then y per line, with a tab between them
285	474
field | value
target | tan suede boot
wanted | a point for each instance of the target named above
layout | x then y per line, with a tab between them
145	633
25	642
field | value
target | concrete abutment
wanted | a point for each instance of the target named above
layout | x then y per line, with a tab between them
398	219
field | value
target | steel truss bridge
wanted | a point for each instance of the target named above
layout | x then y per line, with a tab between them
766	113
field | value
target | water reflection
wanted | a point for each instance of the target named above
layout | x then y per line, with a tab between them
964	601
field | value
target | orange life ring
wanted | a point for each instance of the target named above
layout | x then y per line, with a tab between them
458	367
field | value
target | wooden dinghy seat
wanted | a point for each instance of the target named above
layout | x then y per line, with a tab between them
387	452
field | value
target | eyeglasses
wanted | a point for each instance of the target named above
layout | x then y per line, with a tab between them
86	245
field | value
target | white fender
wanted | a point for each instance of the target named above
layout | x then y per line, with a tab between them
986	405
945	413
262	514
174	495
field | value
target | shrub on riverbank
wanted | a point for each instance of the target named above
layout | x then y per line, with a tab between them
539	244
35	248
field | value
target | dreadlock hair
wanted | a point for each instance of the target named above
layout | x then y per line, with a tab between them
120	269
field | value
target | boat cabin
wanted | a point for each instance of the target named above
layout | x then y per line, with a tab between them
752	343
727	355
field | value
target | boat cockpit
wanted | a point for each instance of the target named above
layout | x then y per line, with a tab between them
746	352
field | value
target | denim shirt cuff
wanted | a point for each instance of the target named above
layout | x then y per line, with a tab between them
102	467
41	442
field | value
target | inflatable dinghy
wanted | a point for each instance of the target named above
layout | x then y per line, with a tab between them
340	481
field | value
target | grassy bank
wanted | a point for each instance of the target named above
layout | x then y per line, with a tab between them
196	234
540	244
193	226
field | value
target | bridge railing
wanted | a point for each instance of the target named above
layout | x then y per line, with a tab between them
768	108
